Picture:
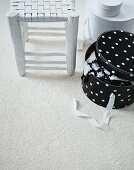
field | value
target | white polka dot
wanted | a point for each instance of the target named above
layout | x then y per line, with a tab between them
103	42
99	54
91	84
118	65
107	52
91	92
101	92
116	55
120	39
112	47
98	82
113	71
107	85
132	57
94	100
129	95
115	90
86	86
126	38
116	43
128	89
96	94
133	42
123	64
109	61
127	59
131	69
125	51
131	35
129	99
122	100
103	100
100	50
129	46
114	32
86	94
109	37
131	75
122	31
103	36
119	94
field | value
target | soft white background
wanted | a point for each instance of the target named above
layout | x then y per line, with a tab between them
38	130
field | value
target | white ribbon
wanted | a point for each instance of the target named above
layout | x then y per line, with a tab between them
93	121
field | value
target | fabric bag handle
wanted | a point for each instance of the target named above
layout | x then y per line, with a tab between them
90	50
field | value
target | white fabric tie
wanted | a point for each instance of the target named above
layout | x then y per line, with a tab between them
93	121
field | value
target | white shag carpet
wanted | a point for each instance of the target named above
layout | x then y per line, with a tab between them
38	130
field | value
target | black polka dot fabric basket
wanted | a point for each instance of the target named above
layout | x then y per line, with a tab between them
109	69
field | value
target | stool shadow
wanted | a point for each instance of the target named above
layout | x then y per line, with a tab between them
53	76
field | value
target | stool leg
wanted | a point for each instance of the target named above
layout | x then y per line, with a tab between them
17	39
71	42
25	31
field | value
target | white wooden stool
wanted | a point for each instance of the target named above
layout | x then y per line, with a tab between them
24	11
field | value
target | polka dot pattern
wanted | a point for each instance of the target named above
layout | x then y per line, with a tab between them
117	49
124	95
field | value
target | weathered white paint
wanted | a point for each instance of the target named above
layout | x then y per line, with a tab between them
44	62
71	42
45	68
48	53
17	39
20	31
32	33
25	30
47	28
